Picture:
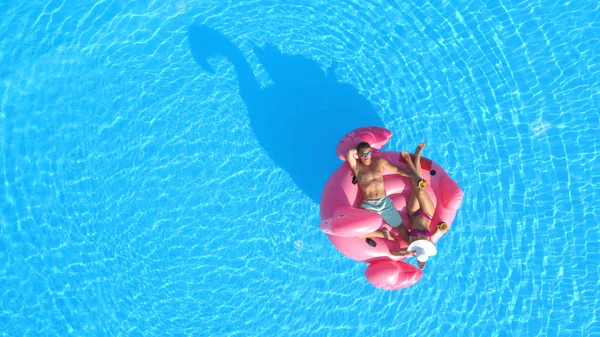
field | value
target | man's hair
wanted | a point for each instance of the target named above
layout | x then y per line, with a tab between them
362	145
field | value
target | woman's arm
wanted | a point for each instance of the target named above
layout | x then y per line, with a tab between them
402	252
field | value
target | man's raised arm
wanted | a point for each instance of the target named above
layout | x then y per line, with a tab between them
350	158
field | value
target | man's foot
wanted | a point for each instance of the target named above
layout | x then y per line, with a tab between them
383	234
388	235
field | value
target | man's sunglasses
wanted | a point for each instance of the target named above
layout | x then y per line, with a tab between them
366	154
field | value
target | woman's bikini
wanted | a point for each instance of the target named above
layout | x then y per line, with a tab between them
419	232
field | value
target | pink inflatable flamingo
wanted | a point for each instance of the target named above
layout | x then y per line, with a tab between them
344	222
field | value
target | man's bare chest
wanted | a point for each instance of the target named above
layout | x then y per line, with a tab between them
368	172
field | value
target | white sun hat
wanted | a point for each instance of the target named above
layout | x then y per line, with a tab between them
423	249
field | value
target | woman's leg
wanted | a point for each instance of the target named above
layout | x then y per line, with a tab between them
417	161
412	205
422	196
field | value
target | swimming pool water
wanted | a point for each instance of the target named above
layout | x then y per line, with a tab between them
162	164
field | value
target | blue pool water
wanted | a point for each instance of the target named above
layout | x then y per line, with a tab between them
162	164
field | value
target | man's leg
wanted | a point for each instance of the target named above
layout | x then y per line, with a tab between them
384	234
381	233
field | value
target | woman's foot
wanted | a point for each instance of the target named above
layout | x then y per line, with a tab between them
419	149
414	175
408	160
